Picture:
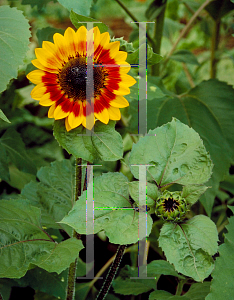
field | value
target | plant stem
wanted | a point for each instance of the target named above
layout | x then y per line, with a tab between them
180	286
111	274
134	19
158	31
187	27
72	268
214	48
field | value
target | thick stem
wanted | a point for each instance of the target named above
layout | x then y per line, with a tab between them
158	32
111	274
72	268
214	48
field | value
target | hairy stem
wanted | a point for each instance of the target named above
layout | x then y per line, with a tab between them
187	27
158	31
214	48
112	272
72	268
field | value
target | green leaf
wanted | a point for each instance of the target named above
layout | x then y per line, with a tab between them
228	184
222	283
3	117
47	33
152	58
161	267
208	109
111	196
189	246
198	291
12	147
23	239
163	295
14	40
54	193
126	285
154	9
185	56
152	194
79	20
193	192
104	144
79	7
176	153
51	283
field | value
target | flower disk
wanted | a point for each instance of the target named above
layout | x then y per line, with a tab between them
81	75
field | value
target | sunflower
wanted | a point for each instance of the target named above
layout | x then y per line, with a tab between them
61	78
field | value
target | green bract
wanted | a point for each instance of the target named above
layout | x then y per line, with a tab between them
171	206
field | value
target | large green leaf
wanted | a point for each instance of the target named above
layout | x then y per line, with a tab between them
110	197
54	194
79	20
217	9
79	7
198	291
189	246
193	192
25	243
104	144
176	153
14	40
12	150
208	109
222	283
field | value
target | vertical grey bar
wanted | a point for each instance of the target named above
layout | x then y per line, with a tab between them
89	223
89	81
142	262
142	229
142	88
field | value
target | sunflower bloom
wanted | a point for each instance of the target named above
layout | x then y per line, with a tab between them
61	78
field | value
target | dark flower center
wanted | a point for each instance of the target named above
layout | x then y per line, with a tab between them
170	204
73	79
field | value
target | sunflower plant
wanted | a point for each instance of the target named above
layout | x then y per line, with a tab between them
82	189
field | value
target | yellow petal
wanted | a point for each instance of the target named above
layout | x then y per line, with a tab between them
81	36
103	116
114	113
67	125
121	56
75	121
35	76
70	38
46	101
114	48
47	59
128	80
38	91
60	43
104	39
51	111
59	113
39	65
122	90
119	102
